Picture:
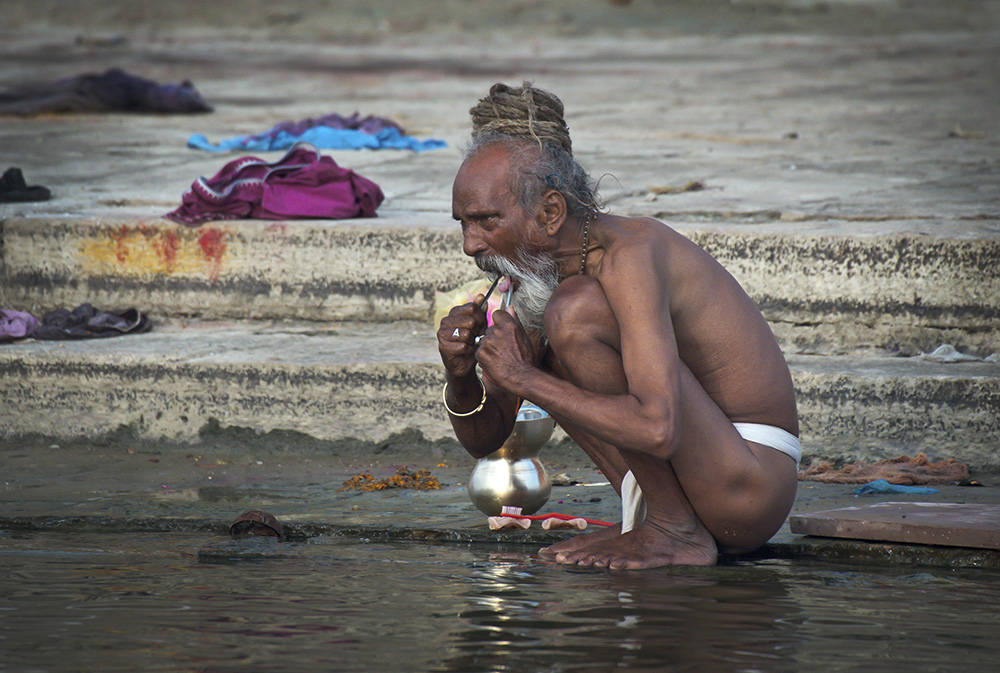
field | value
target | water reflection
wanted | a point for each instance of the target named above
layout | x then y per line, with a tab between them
525	614
114	602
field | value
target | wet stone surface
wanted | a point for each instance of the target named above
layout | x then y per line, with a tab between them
111	490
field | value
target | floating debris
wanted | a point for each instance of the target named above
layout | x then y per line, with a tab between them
257	523
420	480
563	479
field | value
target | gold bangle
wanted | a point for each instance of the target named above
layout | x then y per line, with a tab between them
482	403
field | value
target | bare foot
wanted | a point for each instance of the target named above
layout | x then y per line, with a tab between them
580	541
647	546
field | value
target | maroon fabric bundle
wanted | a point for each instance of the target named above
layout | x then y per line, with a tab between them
301	185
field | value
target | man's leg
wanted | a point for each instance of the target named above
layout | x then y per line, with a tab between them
604	375
716	483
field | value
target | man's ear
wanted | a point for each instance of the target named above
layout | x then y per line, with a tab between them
552	214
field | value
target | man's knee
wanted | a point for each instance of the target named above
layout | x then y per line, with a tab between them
579	311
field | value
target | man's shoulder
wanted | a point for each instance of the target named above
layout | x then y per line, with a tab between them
639	230
639	235
645	247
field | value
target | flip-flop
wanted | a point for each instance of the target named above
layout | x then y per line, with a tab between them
14	189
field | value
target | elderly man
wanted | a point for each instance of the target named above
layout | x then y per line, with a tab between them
640	345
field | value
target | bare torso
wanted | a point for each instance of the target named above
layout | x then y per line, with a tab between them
721	335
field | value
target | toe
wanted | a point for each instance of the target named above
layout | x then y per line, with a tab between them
619	564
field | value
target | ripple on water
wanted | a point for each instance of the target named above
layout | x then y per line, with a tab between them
130	602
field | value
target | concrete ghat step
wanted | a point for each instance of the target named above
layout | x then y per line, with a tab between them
365	382
822	289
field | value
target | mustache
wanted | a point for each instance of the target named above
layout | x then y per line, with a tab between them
524	265
537	277
494	265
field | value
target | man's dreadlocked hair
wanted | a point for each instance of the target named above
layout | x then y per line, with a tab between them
529	123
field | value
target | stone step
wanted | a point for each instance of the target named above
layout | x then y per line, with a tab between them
288	384
822	292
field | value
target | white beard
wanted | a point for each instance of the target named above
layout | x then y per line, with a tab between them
537	276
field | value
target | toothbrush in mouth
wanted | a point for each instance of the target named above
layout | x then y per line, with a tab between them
507	287
486	298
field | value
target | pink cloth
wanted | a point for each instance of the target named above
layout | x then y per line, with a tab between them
301	185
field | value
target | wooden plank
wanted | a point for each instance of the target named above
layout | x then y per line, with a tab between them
944	524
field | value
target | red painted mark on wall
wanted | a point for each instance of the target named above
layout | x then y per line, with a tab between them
166	247
121	248
213	246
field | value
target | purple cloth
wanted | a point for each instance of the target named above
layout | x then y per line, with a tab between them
301	185
367	124
112	91
86	322
83	322
16	324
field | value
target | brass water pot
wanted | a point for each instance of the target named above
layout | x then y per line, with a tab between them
513	475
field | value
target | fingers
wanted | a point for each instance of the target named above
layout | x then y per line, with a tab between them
461	323
463	335
458	337
469	316
506	316
456	341
457	354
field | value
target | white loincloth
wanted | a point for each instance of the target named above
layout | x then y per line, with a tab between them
634	507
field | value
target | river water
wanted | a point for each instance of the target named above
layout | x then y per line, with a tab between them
72	601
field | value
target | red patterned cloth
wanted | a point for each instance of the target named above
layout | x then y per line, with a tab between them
301	185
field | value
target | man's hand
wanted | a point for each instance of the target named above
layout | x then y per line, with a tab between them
457	337
481	429
506	351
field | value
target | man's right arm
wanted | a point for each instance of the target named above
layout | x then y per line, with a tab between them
481	413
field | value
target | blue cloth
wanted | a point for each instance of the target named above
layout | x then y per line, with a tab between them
321	137
882	486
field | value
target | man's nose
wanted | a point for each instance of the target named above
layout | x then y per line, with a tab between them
472	245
